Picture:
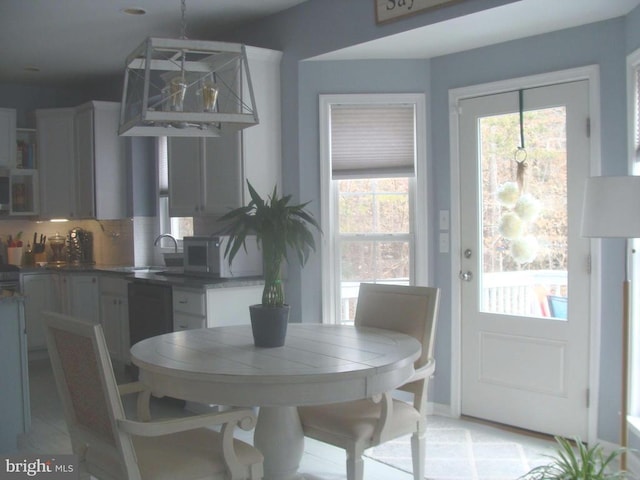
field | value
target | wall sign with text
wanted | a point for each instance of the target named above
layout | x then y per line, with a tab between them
387	10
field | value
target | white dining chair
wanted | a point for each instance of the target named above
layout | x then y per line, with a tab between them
110	446
362	424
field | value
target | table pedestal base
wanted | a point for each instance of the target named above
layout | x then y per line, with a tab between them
279	437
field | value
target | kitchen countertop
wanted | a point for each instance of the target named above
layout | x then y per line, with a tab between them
7	296
153	274
194	281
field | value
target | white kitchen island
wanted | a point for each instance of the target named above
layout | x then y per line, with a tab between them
319	364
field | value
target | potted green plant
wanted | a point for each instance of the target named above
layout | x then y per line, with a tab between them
279	228
578	463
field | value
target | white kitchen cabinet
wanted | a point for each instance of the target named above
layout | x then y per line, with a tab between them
213	307
202	180
186	185
72	293
7	137
189	309
40	295
23	177
82	162
114	316
101	169
56	162
230	305
83	296
207	175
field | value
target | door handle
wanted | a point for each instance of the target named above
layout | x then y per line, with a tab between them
466	276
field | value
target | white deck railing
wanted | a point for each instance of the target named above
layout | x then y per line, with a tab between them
513	293
523	292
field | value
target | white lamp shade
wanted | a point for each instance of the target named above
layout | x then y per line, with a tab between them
611	207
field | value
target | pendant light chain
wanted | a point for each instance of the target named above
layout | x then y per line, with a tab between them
183	33
183	9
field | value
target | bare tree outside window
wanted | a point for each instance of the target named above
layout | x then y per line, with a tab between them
374	233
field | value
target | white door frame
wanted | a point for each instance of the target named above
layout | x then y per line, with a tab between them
592	74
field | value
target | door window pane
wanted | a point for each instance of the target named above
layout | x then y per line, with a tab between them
524	214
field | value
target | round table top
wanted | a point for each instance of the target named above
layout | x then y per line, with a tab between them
318	364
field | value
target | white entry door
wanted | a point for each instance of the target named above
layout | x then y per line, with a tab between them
524	278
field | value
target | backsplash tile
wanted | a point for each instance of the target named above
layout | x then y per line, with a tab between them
113	240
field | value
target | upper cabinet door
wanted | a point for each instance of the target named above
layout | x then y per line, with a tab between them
102	172
56	161
84	166
185	176
7	137
223	175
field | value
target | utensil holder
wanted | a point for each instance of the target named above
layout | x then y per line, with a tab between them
14	255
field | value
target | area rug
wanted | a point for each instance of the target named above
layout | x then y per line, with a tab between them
469	450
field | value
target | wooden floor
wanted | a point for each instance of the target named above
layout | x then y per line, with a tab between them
456	449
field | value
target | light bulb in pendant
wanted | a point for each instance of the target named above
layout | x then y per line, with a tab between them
209	95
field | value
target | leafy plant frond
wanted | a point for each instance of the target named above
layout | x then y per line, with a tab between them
278	227
578	462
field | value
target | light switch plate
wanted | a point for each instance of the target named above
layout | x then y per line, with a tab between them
444	219
444	242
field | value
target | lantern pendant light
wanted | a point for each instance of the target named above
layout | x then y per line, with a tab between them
188	88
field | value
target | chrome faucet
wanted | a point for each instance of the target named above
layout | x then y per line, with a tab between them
166	235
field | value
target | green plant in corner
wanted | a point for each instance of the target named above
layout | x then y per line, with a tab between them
279	227
578	463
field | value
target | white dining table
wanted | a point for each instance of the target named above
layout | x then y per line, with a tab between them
318	364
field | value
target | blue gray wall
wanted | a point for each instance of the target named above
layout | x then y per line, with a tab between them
596	44
320	26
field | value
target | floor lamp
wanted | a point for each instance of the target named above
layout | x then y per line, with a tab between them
611	211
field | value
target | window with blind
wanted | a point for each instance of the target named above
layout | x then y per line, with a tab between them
371	151
178	227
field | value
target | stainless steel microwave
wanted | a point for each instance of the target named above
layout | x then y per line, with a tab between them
205	256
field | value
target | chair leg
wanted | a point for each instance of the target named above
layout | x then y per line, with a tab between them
417	454
355	465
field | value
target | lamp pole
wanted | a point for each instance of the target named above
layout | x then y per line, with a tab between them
610	211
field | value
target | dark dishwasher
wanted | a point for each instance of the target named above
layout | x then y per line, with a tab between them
150	310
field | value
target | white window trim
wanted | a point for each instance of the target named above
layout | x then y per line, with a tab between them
592	74
633	66
419	200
